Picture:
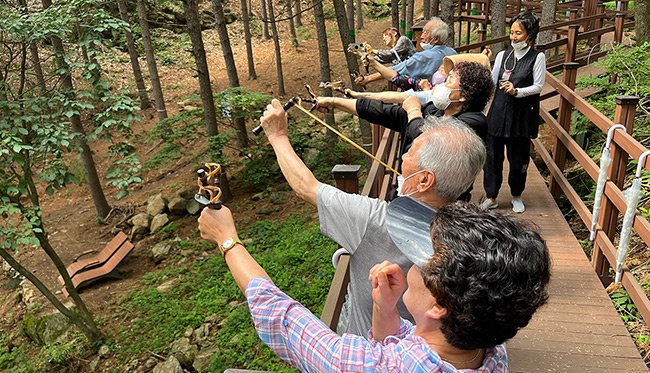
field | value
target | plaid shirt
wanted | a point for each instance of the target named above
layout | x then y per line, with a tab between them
302	340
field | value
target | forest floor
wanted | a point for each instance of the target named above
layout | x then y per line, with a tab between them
70	216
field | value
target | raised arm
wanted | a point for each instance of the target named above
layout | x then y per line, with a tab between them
218	226
389	97
388	284
299	177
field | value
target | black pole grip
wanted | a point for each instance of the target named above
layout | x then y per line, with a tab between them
259	129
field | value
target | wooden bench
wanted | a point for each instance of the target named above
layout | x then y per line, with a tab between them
103	265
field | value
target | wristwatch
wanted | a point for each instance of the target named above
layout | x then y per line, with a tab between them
516	91
229	244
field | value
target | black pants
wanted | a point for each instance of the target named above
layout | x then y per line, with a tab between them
518	152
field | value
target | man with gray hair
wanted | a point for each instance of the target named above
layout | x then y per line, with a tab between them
443	161
422	64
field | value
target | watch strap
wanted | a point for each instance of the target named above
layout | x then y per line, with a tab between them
235	241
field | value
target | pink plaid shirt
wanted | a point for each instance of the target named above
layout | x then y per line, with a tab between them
302	340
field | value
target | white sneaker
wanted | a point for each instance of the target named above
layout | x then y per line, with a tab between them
489	204
518	205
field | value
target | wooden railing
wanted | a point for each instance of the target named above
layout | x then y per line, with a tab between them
622	147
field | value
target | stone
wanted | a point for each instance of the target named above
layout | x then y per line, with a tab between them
177	205
161	251
267	210
29	293
140	223
156	205
193	207
188	193
166	286
45	329
258	196
158	222
184	351
189	332
211	319
202	361
150	364
202	336
104	351
93	364
171	365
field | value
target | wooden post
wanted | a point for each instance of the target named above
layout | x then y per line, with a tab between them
625	110
598	24
572	43
618	27
347	177
564	120
482	36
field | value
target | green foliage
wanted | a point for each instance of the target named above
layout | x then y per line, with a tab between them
174	132
293	252
378	9
60	353
625	306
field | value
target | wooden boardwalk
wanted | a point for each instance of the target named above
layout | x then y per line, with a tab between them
578	330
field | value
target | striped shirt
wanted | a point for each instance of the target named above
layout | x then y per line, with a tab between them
301	339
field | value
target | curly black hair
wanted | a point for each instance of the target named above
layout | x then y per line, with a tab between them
476	85
529	22
489	271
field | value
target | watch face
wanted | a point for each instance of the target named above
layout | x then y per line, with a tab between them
228	243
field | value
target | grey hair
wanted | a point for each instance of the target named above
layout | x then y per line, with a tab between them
440	29
453	152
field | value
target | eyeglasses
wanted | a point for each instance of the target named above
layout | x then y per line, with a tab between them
425	30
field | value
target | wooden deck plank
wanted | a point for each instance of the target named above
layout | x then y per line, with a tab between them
579	329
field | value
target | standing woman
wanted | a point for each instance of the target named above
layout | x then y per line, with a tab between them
513	120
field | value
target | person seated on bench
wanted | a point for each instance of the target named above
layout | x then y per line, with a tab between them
467	297
442	163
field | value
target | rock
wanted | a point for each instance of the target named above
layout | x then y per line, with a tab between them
184	351
156	205
258	196
188	193
189	332
161	251
171	365
158	222
202	361
140	223
150	364
29	293
177	205
104	351
166	286
193	207
202	335
45	329
211	319
267	210
93	364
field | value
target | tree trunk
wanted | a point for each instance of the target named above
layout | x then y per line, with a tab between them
33	51
292	25
297	11
394	13
278	52
447	15
349	12
265	21
231	67
359	14
435	8
642	21
95	186
426	8
402	18
191	8
145	103
409	19
498	23
151	61
548	18
252	75
323	54
353	65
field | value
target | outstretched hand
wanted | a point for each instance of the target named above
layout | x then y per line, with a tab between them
274	120
388	284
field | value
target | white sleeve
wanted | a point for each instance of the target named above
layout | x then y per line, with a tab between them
539	77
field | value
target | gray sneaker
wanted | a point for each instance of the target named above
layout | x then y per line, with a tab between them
489	204
518	205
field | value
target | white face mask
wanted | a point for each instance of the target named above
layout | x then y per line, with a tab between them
440	96
425	46
519	45
400	182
